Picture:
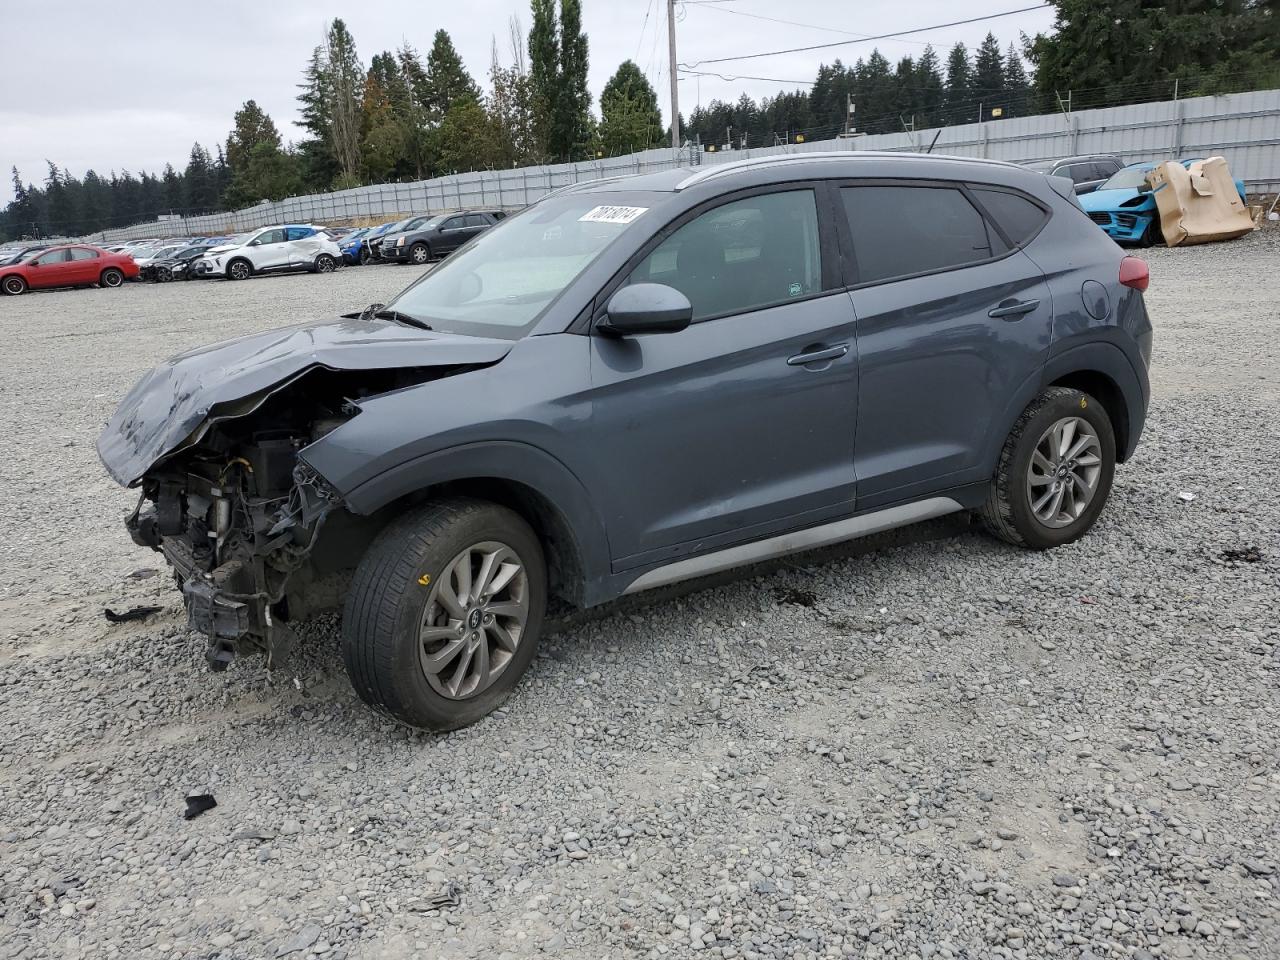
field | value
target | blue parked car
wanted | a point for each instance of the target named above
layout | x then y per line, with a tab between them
352	245
1125	207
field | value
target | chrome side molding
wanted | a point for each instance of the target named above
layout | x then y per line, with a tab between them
810	538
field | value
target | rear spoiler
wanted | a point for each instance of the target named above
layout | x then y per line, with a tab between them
1065	188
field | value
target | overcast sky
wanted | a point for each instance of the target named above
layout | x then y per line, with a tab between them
132	87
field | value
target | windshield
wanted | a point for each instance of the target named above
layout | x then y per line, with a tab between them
141	253
1129	178
1041	165
499	283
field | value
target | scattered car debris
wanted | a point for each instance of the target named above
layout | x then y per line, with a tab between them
796	595
144	573
253	833
1248	554
197	804
1186	496
448	898
133	613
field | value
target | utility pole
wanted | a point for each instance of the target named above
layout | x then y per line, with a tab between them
675	94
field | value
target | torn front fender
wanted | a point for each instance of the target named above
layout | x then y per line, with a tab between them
173	405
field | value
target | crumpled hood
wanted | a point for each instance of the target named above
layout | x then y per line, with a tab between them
167	407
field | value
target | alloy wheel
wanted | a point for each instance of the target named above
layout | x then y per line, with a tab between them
14	286
474	620
112	278
420	255
1064	472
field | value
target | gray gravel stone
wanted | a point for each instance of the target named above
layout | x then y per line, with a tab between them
900	769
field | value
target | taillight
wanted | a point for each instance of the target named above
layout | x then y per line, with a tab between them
1134	273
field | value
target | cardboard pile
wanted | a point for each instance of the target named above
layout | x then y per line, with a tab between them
1199	204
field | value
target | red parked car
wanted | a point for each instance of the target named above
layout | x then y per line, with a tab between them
78	265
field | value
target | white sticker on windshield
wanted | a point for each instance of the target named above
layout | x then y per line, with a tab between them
612	214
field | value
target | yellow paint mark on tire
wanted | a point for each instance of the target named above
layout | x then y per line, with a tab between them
425	579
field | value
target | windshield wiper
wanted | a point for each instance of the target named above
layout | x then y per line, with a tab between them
385	313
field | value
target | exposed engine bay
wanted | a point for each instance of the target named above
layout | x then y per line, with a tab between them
239	517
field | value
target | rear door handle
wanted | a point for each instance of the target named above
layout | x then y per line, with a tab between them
818	354
1012	309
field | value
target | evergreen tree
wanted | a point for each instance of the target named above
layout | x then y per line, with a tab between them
544	70
201	182
571	129
630	119
929	84
174	195
988	75
959	84
260	169
60	210
417	122
448	82
1017	90
317	160
343	83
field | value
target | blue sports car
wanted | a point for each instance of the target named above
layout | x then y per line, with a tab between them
352	244
1125	207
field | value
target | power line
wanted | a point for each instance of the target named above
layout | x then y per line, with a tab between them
797	23
882	36
742	76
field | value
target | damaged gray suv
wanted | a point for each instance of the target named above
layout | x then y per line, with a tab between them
635	382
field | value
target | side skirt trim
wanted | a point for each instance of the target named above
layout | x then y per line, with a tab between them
811	538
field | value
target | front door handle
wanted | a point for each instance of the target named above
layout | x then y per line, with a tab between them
818	355
1012	309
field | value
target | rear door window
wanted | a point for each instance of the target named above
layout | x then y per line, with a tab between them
83	253
899	231
476	220
743	255
297	233
1017	216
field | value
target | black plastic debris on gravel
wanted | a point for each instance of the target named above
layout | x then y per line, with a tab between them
133	613
197	804
1249	554
796	595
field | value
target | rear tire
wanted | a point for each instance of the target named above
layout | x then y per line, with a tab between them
425	641
13	286
1024	506
111	278
325	264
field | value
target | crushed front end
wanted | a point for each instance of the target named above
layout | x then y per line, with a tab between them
236	526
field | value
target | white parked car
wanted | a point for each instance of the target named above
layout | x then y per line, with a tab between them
289	247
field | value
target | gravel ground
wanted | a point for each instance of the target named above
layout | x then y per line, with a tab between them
943	749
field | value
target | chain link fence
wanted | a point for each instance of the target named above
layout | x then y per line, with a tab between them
1243	127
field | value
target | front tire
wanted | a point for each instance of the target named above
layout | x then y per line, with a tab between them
420	254
239	270
14	286
365	256
1055	471
444	614
111	278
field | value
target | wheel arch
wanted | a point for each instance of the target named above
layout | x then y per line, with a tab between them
1102	387
521	477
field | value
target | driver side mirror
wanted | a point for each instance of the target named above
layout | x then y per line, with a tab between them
646	308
